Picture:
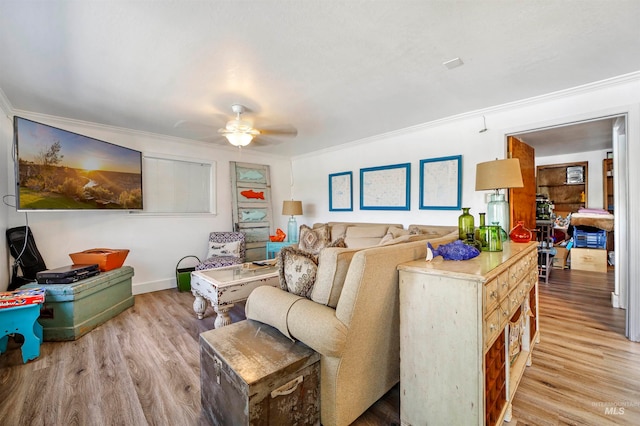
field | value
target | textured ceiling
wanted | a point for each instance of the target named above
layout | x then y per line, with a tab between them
336	71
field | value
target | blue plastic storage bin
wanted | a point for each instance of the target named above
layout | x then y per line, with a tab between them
582	239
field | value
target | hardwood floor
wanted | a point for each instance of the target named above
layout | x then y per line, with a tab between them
142	367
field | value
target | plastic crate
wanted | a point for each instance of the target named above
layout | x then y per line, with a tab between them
582	239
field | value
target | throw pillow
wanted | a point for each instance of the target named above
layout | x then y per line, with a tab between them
386	239
313	240
414	230
338	243
297	271
224	249
398	232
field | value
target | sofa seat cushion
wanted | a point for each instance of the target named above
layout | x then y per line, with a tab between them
271	305
297	271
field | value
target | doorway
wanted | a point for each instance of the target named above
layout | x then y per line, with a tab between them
593	139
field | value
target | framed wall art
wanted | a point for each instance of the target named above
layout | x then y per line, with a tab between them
440	183
385	187
341	192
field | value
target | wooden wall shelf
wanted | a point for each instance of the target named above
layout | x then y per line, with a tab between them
567	197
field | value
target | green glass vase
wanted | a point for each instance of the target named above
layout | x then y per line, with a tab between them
465	224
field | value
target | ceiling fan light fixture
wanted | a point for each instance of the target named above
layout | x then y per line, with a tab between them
239	138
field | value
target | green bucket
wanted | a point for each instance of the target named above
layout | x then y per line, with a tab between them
183	275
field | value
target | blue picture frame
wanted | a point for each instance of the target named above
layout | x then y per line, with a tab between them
385	187
341	192
441	183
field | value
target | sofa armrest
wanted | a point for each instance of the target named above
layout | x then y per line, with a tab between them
316	326
271	305
298	318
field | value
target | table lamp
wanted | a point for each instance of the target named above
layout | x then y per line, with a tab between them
293	208
495	175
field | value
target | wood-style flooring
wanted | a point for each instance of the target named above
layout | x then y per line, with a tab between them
142	367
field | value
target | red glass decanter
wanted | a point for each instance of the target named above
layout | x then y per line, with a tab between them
520	234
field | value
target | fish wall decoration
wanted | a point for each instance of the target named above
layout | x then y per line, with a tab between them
252	215
251	194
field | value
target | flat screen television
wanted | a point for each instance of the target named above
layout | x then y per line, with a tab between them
61	170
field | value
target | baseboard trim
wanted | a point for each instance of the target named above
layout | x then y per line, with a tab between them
615	301
150	286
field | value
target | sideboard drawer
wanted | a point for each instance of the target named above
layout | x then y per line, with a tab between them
491	327
503	285
490	296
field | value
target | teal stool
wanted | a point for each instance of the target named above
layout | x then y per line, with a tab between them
22	320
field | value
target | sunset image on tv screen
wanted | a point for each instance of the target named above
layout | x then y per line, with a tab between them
62	170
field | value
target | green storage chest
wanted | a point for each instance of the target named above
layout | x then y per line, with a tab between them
72	310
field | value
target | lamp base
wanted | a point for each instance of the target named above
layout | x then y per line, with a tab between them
292	228
498	212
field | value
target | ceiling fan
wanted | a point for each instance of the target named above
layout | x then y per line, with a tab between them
239	131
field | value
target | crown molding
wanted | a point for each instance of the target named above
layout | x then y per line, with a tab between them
67	122
573	91
5	105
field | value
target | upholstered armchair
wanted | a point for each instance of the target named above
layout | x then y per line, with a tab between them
225	249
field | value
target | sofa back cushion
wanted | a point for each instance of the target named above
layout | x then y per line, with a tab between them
333	264
374	270
365	236
339	229
432	231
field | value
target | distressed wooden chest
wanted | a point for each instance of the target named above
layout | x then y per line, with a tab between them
72	310
253	375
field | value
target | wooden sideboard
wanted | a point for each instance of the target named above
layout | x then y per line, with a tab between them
467	330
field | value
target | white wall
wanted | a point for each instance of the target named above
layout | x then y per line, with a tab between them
460	135
595	190
156	242
6	132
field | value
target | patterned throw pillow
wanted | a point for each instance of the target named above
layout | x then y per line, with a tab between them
224	249
314	240
297	271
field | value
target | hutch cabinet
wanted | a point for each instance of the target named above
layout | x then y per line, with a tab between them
467	329
557	182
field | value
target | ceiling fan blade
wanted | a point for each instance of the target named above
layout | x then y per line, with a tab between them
192	129
262	140
214	139
285	130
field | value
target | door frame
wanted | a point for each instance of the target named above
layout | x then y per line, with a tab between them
623	294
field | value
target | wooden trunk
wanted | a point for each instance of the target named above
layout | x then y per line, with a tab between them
72	310
253	375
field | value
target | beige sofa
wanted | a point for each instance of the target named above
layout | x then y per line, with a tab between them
352	318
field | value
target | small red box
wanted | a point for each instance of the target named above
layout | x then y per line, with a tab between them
21	297
107	259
